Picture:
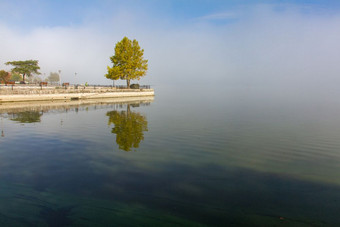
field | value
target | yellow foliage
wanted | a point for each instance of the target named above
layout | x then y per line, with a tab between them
128	61
129	128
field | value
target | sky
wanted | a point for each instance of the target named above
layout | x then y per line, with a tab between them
196	42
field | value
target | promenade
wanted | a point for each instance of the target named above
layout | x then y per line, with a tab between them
23	93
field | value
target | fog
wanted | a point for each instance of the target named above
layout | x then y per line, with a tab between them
261	45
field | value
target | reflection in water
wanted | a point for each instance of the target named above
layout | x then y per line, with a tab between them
227	164
26	117
129	128
2	127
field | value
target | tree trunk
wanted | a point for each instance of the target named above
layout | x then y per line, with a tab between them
128	83
23	77
128	111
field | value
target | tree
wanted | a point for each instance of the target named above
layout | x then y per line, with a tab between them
128	62
34	79
26	68
53	77
27	117
16	77
129	128
4	76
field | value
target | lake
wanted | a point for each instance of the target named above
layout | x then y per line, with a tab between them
195	156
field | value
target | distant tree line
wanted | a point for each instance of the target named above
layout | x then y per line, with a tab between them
20	70
128	64
9	76
27	71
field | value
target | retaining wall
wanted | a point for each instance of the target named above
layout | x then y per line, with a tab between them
17	93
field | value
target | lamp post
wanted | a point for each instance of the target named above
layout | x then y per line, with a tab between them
44	77
59	71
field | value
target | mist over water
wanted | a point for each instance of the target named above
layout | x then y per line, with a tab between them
263	45
197	155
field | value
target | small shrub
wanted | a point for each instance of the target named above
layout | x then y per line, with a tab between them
134	86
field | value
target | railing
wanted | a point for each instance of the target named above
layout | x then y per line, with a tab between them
51	89
125	87
117	86
71	85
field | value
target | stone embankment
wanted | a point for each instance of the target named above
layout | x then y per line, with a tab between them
46	106
51	93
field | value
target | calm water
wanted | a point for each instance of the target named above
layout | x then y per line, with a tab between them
241	156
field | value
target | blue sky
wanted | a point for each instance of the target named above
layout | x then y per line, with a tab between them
185	40
33	13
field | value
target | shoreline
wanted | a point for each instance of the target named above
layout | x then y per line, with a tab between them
36	95
47	105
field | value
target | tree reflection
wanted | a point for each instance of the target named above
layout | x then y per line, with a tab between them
26	117
129	128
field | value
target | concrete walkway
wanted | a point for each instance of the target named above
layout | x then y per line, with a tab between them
74	96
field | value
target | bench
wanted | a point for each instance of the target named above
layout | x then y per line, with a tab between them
66	84
10	83
43	83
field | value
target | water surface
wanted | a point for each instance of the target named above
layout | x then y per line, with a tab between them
236	156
